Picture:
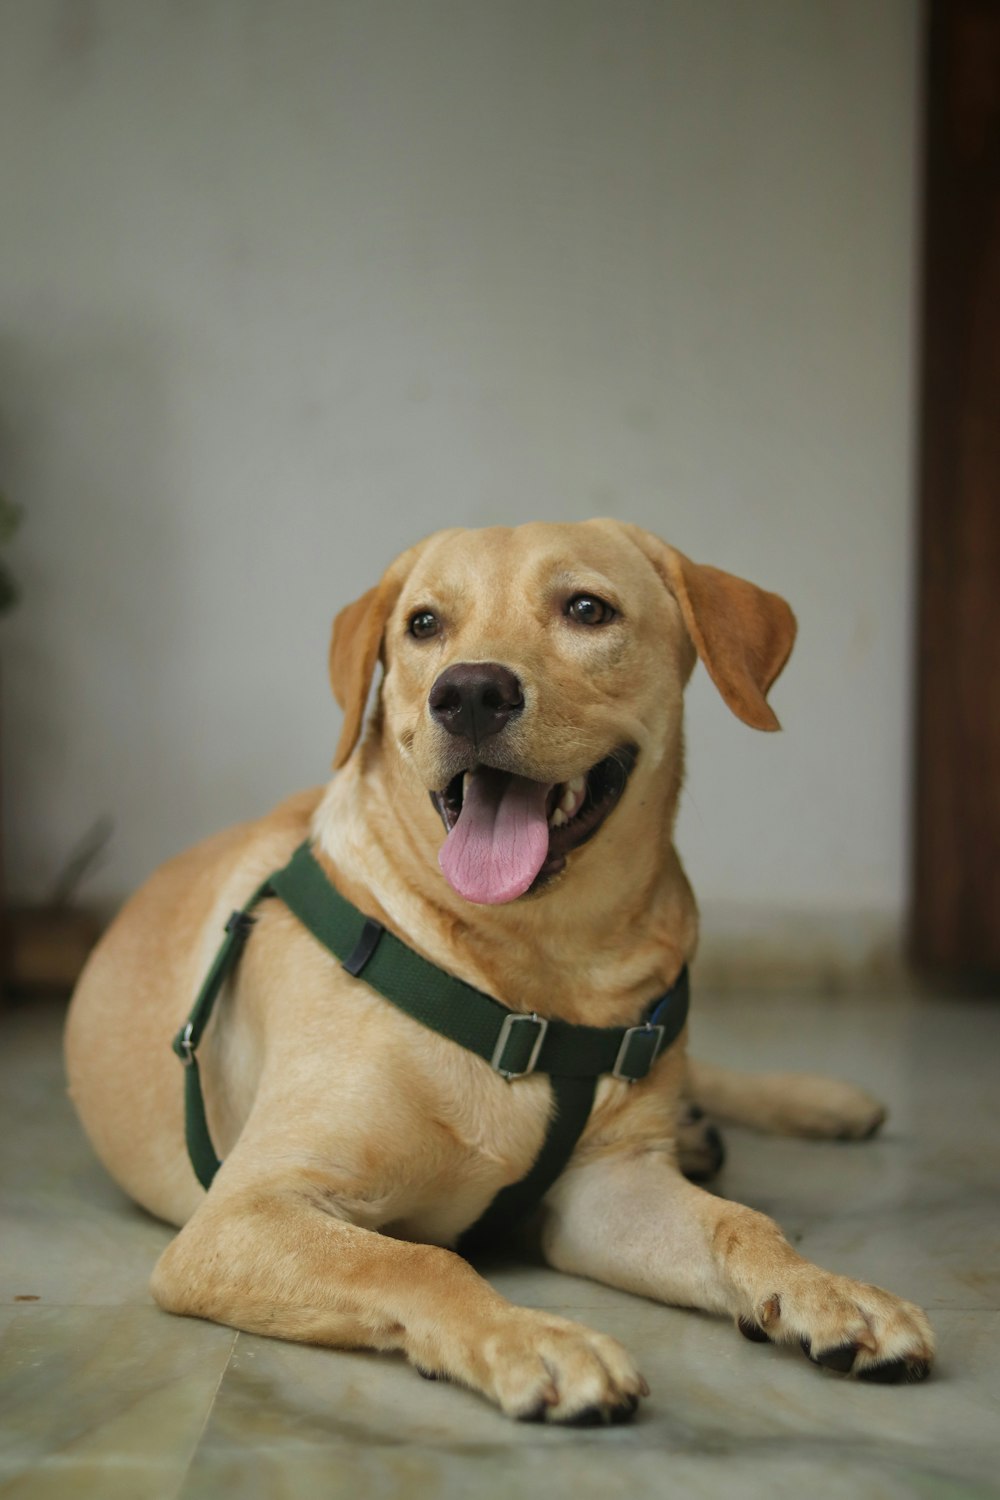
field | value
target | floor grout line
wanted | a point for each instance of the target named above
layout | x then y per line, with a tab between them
211	1407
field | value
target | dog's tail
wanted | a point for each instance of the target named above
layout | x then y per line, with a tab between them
803	1104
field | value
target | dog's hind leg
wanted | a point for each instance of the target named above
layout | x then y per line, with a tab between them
700	1148
804	1104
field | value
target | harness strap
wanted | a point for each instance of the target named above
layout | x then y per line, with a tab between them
185	1043
514	1044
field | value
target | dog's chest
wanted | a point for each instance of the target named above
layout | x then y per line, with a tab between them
473	1141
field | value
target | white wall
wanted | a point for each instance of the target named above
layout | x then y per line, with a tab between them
285	286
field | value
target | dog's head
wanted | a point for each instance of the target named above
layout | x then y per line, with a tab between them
534	677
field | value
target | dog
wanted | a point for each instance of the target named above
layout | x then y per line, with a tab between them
507	815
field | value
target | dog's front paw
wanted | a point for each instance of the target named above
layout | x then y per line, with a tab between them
542	1368
547	1369
846	1326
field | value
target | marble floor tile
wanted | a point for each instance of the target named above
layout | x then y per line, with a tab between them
287	1420
67	1234
103	1395
104	1403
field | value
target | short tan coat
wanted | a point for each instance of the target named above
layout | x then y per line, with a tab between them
357	1145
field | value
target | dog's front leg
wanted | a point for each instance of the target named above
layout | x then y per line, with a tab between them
633	1222
267	1258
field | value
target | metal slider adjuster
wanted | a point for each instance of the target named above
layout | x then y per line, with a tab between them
185	1045
645	1053
505	1030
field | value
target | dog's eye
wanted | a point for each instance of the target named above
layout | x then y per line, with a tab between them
423	624
588	609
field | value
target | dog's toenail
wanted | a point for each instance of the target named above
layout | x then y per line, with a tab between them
590	1416
752	1331
534	1413
602	1416
840	1357
896	1372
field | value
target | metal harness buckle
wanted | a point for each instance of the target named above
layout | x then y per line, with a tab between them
186	1045
505	1030
623	1051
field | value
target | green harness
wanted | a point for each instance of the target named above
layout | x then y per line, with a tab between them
514	1044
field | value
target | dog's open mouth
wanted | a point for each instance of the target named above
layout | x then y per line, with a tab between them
508	834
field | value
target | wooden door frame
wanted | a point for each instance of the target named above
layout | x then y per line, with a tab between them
955	908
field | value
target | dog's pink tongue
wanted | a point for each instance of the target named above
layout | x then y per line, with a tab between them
500	841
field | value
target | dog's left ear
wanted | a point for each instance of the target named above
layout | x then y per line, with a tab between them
743	634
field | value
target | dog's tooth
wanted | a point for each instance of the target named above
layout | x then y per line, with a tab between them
577	785
567	802
558	818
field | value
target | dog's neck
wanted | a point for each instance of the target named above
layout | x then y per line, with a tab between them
615	927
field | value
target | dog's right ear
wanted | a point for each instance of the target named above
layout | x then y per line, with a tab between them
356	645
354	652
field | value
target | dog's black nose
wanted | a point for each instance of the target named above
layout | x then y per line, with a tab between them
475	699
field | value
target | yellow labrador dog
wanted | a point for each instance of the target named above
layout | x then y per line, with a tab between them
508	815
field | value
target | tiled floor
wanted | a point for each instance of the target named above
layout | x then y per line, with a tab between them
102	1395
